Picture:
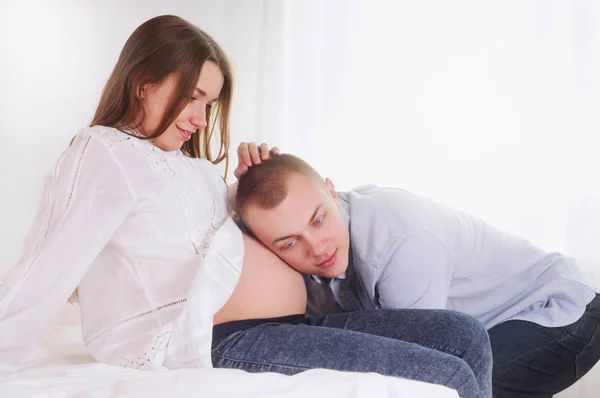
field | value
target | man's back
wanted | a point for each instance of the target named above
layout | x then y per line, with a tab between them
414	252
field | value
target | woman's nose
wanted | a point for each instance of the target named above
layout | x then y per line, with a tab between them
198	118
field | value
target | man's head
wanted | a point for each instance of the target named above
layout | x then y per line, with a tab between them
288	206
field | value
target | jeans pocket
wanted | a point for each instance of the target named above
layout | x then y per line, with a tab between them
589	355
226	342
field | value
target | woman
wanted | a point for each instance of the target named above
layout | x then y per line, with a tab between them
135	217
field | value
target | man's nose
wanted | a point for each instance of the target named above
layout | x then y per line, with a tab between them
316	246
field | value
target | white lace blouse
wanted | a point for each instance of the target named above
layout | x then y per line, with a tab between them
146	236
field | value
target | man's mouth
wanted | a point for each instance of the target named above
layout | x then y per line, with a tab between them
330	261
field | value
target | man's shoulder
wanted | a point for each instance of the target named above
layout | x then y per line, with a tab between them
374	192
374	199
377	216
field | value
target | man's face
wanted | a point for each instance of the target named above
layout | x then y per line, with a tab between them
306	230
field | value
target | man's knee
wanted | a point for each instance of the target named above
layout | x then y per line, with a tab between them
465	324
463	379
469	333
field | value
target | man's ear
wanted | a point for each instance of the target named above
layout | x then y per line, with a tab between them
332	191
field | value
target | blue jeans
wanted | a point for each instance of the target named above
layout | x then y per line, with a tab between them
531	360
435	346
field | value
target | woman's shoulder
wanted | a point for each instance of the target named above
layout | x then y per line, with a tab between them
113	144
97	147
139	159
108	136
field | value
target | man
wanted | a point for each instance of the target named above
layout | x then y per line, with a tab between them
374	248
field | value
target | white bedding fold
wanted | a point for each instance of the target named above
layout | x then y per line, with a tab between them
61	368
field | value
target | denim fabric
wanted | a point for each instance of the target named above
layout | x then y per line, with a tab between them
435	346
534	361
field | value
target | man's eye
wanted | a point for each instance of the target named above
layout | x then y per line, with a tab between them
289	245
319	221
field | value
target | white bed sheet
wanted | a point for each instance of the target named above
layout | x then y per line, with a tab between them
61	368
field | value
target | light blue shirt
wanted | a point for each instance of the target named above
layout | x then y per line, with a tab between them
411	252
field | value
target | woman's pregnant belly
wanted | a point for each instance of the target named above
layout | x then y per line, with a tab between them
267	288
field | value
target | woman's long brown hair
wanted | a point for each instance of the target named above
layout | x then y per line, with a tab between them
160	47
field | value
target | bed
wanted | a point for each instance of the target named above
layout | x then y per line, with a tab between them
60	368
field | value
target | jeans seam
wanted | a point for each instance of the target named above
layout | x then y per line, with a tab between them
458	355
461	379
578	356
293	367
225	339
443	349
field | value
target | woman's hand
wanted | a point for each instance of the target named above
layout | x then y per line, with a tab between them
250	154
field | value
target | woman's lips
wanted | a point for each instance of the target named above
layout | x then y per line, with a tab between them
184	134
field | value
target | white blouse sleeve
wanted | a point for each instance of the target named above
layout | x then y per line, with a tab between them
86	198
231	195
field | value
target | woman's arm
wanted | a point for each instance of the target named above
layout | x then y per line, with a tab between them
86	198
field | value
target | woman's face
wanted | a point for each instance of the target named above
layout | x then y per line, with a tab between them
155	99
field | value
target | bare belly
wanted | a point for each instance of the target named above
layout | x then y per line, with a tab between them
268	287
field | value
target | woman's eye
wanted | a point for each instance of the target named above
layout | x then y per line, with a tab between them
194	99
319	221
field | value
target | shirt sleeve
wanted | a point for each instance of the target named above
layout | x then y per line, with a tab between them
85	199
417	273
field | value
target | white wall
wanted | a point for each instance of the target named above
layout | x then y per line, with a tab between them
485	105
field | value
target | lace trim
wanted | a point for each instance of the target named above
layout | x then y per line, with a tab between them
131	318
113	137
77	170
159	163
205	243
231	266
159	346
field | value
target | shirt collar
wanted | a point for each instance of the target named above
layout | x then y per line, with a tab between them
325	281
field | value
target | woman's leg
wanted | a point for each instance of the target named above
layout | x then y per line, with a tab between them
291	349
450	332
531	360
